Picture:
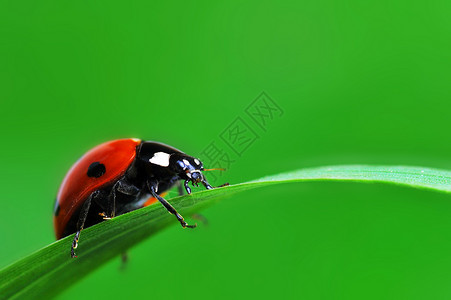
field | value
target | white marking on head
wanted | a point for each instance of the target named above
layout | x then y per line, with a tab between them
161	159
197	161
186	162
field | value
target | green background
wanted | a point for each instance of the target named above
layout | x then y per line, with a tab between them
358	81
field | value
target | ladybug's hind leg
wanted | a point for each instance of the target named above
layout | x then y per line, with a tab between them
81	222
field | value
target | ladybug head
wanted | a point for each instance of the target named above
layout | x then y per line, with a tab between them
167	163
187	167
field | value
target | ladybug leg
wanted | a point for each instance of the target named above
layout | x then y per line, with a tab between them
153	186
198	217
222	185
124	188
209	187
111	203
180	188
81	223
124	260
187	188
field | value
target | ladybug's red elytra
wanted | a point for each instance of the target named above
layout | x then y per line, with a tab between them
117	177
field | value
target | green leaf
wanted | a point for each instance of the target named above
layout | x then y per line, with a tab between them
50	270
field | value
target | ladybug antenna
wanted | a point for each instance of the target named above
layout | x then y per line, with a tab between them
214	169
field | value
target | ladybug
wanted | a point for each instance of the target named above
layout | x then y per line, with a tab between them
119	176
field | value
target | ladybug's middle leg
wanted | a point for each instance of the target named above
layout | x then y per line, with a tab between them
123	187
81	222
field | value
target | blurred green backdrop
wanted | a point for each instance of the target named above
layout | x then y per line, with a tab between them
358	82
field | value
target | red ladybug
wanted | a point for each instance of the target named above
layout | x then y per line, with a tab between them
117	177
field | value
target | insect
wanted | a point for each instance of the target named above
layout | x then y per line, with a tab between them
119	176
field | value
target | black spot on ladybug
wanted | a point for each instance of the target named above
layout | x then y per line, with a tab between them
96	170
56	209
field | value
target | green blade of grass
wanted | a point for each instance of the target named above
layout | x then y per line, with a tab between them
50	270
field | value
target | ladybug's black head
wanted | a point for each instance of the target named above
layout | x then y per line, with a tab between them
187	167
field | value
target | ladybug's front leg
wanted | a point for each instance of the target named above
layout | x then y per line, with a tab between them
153	186
81	222
195	216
